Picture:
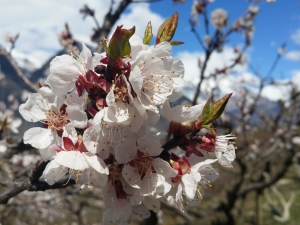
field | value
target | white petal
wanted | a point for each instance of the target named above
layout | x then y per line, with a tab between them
110	97
126	151
162	167
15	124
199	165
163	46
136	198
77	116
64	69
209	173
59	86
38	137
86	56
47	99
132	177
96	163
136	80
149	184
178	197
152	204
48	153
223	160
163	188
30	111
181	113
120	113
149	146
54	172
3	146
70	132
109	195
93	178
72	159
119	214
190	186
141	211
90	139
177	89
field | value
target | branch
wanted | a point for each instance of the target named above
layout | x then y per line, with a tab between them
18	70
32	183
109	21
260	186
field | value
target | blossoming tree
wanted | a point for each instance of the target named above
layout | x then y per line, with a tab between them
96	111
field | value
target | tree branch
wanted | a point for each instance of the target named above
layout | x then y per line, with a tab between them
19	72
32	183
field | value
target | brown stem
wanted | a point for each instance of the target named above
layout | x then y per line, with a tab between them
18	70
109	21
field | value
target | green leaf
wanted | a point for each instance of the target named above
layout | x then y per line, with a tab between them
167	30
103	42
211	113
119	45
148	34
176	43
218	107
204	114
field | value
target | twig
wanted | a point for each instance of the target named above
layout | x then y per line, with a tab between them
19	72
109	21
32	183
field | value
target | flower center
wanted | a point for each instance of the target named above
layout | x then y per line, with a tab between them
56	121
114	173
142	163
121	91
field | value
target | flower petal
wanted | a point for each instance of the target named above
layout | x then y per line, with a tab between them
96	163
77	116
126	151
38	137
72	159
162	167
132	177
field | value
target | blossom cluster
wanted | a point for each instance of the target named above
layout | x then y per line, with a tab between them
97	112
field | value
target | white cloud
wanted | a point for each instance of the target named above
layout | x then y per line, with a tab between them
139	16
39	22
225	83
275	93
296	78
293	56
217	61
296	37
283	90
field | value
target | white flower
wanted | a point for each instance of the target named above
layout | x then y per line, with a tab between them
142	169
48	108
219	18
192	177
65	70
3	146
7	121
253	9
225	150
85	167
161	74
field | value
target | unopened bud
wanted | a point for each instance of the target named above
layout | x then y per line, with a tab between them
167	30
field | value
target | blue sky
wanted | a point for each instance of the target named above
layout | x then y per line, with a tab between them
39	23
275	24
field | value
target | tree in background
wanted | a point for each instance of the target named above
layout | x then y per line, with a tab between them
112	85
